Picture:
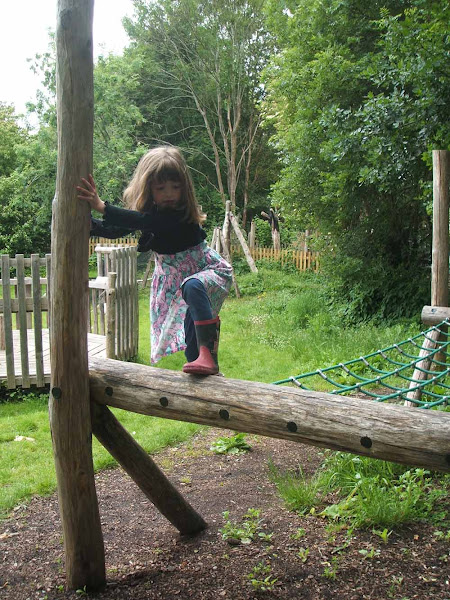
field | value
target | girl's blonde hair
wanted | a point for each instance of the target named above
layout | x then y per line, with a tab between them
161	164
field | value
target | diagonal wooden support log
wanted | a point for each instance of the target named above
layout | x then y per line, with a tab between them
420	372
144	471
384	431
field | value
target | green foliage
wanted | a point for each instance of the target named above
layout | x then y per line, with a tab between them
332	568
298	492
303	554
263	233
244	532
117	121
261	577
11	135
22	395
201	66
26	189
368	554
358	98
371	493
235	444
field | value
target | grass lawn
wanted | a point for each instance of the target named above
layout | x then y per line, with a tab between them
281	326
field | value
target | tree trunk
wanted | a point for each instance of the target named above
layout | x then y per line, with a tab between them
439	285
276	239
252	235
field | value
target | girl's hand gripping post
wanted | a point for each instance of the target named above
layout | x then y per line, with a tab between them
88	191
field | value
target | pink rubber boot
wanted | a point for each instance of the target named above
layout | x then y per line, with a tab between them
207	333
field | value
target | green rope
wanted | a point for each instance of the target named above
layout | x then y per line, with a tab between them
382	375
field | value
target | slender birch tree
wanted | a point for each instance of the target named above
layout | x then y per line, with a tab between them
211	55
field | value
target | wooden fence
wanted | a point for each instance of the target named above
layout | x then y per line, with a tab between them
24	312
106	243
24	308
302	260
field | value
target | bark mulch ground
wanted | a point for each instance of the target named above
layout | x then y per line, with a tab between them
147	559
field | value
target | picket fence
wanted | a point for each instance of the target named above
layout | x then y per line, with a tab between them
25	305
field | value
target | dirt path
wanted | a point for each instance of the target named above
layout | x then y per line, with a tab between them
147	559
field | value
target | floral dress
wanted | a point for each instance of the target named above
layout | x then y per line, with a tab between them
167	307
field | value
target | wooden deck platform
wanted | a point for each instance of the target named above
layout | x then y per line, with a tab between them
96	347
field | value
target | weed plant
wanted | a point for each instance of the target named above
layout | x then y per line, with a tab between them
261	577
244	532
235	444
370	493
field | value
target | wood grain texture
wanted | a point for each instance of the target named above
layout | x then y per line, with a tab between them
433	315
69	399
420	374
439	266
144	471
384	431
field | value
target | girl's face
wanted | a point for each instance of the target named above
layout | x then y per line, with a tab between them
166	194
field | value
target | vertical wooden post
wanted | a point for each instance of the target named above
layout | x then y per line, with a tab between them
226	230
439	278
439	281
2	333
252	235
111	316
69	403
439	267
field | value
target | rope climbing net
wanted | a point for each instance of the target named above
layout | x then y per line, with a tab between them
415	370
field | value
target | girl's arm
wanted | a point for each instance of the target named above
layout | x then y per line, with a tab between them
99	229
88	191
114	217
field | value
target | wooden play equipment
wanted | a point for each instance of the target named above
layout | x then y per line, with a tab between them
24	309
363	427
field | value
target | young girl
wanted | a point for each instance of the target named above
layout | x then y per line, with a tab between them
190	280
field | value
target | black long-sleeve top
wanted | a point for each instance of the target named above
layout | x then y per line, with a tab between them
163	231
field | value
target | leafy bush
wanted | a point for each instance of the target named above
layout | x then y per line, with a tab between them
21	395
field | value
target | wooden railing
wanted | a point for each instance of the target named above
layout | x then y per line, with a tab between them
25	305
123	242
303	260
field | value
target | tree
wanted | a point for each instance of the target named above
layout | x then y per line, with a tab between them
358	94
11	135
117	122
209	57
26	195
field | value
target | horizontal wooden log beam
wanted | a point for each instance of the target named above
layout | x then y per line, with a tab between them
385	431
433	315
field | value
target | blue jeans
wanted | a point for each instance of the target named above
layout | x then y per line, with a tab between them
199	309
